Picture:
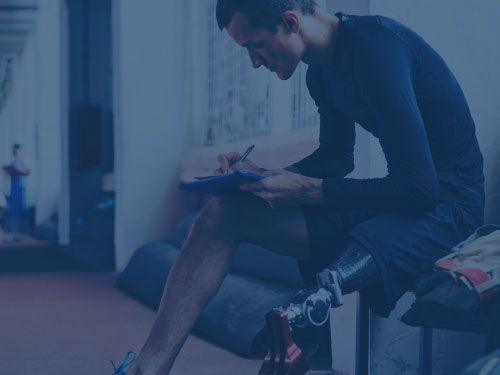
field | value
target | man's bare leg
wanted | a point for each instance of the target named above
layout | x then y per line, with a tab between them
202	264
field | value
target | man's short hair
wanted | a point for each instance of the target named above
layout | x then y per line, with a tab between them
16	145
260	13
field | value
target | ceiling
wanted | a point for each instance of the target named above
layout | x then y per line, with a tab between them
16	21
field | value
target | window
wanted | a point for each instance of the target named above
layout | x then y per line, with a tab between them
238	96
241	101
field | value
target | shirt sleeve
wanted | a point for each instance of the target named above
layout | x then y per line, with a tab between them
335	154
383	69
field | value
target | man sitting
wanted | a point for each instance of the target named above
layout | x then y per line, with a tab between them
378	235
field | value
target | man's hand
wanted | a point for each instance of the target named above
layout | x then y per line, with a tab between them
230	162
282	189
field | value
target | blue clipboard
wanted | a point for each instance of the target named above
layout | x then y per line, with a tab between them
222	183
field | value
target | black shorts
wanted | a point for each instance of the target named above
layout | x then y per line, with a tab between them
404	247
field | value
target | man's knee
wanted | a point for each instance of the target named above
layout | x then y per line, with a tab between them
224	213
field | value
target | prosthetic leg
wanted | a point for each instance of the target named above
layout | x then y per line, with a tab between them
353	270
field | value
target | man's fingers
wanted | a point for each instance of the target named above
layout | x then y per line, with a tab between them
233	157
238	166
230	157
226	160
224	163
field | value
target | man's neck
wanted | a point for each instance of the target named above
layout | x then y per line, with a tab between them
320	36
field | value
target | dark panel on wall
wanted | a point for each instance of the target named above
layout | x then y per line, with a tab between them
85	137
90	131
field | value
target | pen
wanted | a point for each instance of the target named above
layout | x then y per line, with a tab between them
248	151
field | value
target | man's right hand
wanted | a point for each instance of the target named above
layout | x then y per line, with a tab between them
230	162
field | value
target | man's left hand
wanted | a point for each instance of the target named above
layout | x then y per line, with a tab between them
281	189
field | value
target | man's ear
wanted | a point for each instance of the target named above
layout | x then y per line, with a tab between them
291	22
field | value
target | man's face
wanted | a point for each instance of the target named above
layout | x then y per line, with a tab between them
15	150
279	51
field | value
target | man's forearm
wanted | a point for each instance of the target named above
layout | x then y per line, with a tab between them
285	183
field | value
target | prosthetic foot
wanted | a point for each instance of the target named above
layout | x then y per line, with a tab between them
309	307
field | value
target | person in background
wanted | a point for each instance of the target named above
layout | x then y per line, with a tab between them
16	170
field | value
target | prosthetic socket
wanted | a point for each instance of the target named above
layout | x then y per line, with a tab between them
353	270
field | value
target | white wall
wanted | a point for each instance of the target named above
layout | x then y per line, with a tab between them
48	69
149	129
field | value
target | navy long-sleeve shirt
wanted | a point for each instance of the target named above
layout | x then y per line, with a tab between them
390	81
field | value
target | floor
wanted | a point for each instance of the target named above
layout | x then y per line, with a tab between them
19	240
75	322
56	317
